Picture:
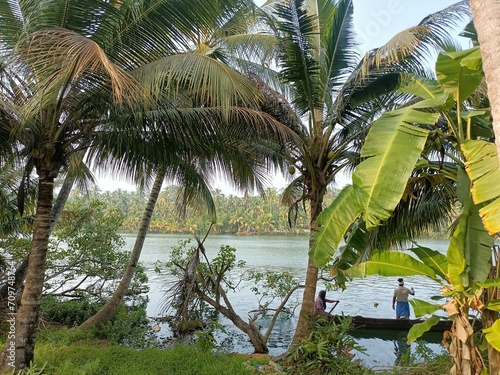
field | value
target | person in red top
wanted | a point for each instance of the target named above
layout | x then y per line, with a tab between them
320	303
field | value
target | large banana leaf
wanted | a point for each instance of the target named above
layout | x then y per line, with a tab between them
434	259
430	91
383	175
421	308
470	248
493	334
418	330
391	263
482	168
335	220
460	73
493	305
391	149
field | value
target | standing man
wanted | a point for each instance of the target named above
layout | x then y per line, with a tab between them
401	297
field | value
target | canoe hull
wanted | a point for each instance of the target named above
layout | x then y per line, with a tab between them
362	322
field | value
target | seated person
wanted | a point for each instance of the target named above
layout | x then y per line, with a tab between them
320	303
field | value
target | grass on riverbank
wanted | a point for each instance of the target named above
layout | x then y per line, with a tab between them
65	352
73	352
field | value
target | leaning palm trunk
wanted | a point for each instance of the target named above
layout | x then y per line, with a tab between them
187	291
26	319
109	310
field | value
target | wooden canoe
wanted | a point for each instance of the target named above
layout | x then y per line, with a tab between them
385	324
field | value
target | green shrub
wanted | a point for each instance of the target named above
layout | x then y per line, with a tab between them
327	350
130	328
31	370
70	313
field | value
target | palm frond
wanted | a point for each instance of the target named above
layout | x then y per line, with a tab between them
298	63
415	44
338	49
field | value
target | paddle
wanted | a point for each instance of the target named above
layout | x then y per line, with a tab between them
334	306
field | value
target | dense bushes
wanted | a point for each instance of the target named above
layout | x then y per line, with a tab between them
70	313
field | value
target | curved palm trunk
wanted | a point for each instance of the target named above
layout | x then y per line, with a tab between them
108	311
309	294
20	352
487	23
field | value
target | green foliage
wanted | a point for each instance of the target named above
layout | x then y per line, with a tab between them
247	214
31	370
463	134
70	313
85	254
482	167
389	263
204	339
66	336
271	284
101	358
327	350
130	328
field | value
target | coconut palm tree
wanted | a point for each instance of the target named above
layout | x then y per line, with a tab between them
241	150
338	95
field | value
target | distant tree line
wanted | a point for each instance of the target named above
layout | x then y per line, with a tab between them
247	214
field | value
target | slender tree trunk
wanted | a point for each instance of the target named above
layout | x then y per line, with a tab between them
486	15
61	200
109	310
20	352
309	294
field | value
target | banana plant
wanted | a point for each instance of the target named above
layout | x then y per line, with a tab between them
393	151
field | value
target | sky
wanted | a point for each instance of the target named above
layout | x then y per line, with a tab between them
376	22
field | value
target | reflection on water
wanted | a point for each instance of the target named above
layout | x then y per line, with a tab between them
389	348
370	296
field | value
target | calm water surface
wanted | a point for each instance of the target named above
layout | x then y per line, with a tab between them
289	253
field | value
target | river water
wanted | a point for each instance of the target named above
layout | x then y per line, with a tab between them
370	296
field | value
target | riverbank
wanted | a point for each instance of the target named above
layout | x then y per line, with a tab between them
73	352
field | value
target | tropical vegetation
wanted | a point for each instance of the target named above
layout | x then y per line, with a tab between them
182	92
242	215
468	158
95	77
338	95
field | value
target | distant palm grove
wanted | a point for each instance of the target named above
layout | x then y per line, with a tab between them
241	215
246	214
